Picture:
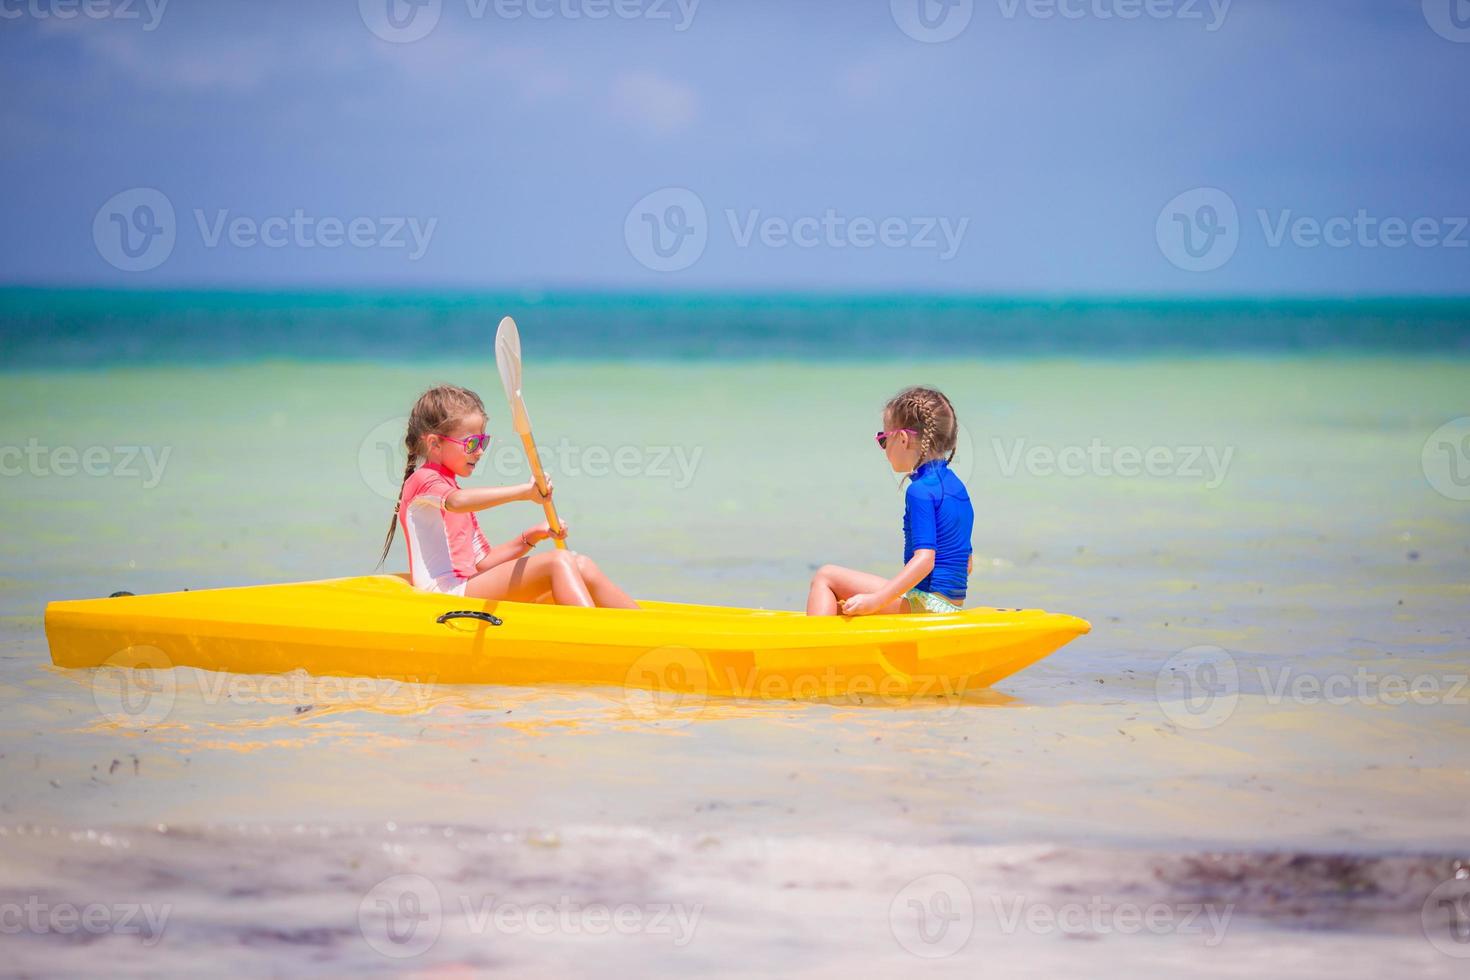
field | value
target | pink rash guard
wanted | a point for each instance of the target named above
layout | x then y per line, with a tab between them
444	548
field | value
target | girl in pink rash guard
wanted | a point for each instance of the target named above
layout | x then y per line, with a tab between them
446	550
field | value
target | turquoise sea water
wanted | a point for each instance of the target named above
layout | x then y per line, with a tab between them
48	328
1305	524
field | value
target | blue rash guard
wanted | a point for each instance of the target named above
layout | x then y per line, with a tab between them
937	514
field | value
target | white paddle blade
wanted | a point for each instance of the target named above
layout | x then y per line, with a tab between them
508	360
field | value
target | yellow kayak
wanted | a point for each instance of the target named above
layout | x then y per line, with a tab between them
380	626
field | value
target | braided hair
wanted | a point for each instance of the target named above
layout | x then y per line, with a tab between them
436	412
929	413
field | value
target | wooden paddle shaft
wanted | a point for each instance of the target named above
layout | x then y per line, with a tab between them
540	477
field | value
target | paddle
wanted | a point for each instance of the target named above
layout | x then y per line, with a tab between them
508	359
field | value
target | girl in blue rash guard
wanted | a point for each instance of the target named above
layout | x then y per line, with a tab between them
919	430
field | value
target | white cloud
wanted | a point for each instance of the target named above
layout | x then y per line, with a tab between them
454	61
652	102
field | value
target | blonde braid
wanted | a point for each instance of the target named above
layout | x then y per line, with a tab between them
393	521
954	426
926	427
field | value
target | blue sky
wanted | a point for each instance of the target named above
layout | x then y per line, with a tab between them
1049	146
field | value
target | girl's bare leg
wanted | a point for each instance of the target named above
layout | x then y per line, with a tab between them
833	582
525	579
604	592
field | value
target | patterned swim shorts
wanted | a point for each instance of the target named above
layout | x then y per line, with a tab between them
920	601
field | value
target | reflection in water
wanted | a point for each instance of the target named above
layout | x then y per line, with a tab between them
184	704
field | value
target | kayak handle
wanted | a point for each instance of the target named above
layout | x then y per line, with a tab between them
484	617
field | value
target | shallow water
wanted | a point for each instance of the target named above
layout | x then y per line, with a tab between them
1295	533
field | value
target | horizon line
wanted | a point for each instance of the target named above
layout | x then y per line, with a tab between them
536	293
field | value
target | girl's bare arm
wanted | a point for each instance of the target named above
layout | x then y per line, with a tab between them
467	499
501	553
913	573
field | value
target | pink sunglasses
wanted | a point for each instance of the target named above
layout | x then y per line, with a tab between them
882	437
470	444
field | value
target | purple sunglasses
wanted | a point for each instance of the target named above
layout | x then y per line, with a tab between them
882	437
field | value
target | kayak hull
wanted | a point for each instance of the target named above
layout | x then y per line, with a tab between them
379	626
